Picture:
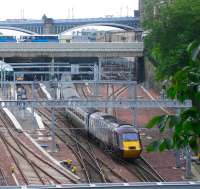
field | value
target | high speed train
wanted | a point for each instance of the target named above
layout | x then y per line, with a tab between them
120	137
8	38
39	38
29	38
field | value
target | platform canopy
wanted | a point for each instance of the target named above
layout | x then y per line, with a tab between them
5	67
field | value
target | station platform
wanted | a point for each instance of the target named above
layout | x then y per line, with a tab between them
23	118
26	119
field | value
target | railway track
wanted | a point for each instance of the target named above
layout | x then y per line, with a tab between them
3	180
94	169
115	93
102	166
81	90
118	92
34	169
142	169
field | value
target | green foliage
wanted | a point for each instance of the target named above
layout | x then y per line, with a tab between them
172	27
186	130
154	146
156	120
174	42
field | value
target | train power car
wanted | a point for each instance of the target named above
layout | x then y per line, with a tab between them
39	38
120	137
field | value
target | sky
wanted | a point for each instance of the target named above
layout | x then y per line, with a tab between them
34	9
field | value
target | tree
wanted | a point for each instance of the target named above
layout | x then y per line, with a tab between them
172	25
173	42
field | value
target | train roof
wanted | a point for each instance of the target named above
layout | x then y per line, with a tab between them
113	119
109	118
6	67
126	128
91	110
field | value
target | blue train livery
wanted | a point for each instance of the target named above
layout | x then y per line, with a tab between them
6	38
39	38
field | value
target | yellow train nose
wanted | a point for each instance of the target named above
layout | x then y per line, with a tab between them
131	149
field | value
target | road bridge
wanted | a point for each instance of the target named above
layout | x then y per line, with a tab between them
57	26
95	49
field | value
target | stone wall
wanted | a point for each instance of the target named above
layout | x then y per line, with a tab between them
150	81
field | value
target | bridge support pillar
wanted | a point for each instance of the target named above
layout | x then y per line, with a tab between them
140	69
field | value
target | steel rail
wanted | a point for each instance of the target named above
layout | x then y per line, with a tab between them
3	180
65	175
19	146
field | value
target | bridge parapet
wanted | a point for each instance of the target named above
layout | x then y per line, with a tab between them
100	49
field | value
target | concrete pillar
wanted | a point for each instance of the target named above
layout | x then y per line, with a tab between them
140	69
